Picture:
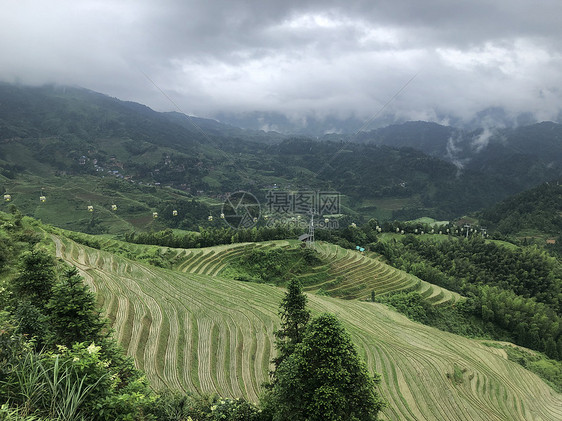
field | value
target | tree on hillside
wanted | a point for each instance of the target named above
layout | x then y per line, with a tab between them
73	314
31	322
294	318
324	379
36	278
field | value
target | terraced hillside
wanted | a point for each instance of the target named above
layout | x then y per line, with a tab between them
351	275
213	260
192	331
355	275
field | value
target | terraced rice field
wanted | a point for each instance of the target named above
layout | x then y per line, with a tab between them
355	275
200	333
351	274
212	260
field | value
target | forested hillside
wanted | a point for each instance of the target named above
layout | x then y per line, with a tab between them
79	148
517	291
536	211
533	151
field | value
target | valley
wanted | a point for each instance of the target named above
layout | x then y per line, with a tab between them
64	141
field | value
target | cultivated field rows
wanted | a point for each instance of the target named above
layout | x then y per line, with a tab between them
363	274
351	275
212	260
206	334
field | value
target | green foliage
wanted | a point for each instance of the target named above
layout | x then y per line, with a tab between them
535	209
36	278
11	414
72	384
73	315
514	292
4	250
457	376
85	239
207	237
294	318
274	266
234	410
410	304
13	348
457	318
173	406
153	257
324	378
31	321
190	213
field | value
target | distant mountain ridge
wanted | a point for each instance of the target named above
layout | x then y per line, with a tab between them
52	110
310	123
435	139
534	211
52	136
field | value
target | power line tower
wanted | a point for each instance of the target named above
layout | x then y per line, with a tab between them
309	238
311	230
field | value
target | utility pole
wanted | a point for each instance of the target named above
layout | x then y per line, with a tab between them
311	230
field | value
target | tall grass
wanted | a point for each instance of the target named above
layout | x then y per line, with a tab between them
12	414
48	386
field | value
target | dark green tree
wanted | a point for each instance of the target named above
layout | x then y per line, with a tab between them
294	318
324	379
31	321
36	278
551	348
72	310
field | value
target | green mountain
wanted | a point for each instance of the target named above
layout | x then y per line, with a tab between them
537	211
431	138
527	155
79	148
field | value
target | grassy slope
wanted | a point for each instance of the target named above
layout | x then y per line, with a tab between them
68	198
207	334
342	274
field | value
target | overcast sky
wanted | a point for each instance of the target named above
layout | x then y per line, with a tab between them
299	57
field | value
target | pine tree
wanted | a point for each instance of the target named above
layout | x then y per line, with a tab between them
324	378
294	318
36	278
551	348
31	322
73	315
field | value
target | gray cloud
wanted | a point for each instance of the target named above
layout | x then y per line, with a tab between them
296	57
